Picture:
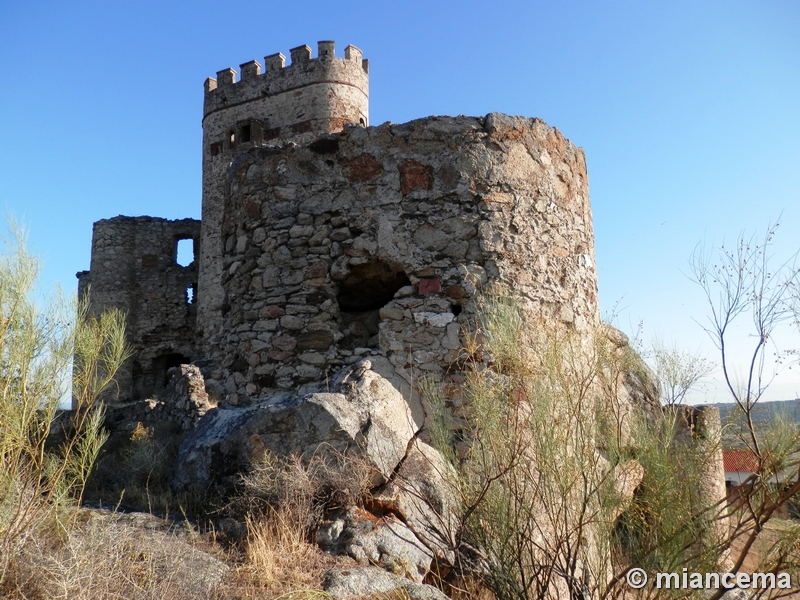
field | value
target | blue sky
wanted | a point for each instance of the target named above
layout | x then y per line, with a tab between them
689	113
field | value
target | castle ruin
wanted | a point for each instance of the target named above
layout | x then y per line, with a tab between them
324	240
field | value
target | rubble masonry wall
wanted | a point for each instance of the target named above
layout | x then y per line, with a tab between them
376	241
134	269
307	97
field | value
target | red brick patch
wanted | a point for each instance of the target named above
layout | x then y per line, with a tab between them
415	176
456	291
429	286
363	168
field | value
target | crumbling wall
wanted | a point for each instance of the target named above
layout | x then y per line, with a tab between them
181	405
134	268
376	241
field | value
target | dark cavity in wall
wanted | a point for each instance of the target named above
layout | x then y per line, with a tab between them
246	133
324	146
362	294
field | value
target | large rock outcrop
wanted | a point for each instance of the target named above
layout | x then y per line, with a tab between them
344	584
421	494
384	541
361	416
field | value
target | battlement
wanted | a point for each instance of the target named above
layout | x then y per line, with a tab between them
226	91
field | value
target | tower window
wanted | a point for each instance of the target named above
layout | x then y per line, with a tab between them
216	148
184	252
245	133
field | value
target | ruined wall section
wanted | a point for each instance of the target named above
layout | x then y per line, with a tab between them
376	242
298	101
134	268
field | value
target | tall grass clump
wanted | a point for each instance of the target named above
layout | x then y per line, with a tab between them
283	502
671	523
38	343
537	493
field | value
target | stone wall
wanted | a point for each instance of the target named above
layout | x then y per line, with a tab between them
376	241
134	268
298	101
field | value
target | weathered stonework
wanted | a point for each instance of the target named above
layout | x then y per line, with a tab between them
324	241
181	405
134	269
298	101
376	242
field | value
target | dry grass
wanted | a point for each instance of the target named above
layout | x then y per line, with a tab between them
282	503
111	556
278	551
136	556
278	562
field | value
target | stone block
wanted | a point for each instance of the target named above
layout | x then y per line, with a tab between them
389	312
291	322
314	340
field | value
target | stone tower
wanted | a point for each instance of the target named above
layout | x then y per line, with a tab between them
311	96
324	240
376	243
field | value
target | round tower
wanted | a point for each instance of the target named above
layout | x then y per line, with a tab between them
308	97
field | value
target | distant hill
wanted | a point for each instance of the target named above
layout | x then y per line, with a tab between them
764	414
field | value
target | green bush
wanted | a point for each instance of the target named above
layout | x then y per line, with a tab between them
548	446
40	345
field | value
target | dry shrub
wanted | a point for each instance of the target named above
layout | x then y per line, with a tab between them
284	501
109	558
302	490
279	551
134	471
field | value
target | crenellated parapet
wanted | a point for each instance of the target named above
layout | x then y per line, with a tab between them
226	91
